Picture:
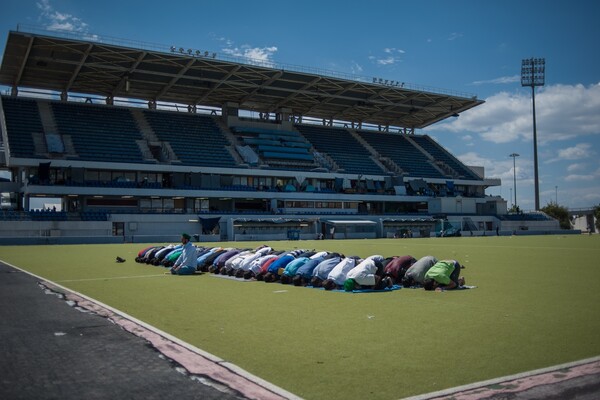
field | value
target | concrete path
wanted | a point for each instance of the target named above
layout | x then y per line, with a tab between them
58	345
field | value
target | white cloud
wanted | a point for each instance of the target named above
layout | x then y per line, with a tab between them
386	61
55	20
455	35
502	169
576	178
502	80
258	55
592	176
356	68
562	112
585	195
44	5
577	152
391	50
468	139
592	198
575	167
392	55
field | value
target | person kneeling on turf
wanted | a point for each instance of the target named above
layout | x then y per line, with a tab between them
368	275
444	275
415	275
186	263
337	276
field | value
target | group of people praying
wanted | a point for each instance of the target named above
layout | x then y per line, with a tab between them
304	267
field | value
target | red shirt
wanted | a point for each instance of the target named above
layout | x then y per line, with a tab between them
398	266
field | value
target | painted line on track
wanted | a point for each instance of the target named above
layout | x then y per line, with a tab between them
518	382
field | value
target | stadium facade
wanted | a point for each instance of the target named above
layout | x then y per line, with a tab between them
140	143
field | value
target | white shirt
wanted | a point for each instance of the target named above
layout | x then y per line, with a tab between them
339	272
364	272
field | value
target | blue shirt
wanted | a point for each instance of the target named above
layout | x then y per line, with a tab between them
202	257
188	256
281	262
307	269
292	267
324	268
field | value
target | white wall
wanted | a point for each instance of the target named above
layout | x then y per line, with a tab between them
452	205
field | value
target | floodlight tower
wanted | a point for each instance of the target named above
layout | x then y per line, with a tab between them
514	157
533	73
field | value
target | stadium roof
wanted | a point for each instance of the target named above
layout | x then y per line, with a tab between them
185	76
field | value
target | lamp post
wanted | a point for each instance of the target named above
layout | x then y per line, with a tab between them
533	73
514	157
556	195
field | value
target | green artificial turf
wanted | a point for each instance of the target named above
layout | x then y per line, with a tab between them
536	304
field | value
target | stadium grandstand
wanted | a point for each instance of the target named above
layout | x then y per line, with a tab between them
139	143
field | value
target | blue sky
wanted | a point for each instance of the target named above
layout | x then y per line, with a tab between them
464	46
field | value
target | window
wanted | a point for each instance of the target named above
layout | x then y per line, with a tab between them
299	204
105	176
118	228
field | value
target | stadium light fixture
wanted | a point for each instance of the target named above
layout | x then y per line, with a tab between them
533	73
514	156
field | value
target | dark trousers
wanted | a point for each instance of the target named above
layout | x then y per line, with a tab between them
456	273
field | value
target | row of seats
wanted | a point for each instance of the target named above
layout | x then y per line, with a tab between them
441	154
195	139
342	147
275	145
47	215
524	217
102	133
402	153
99	133
94	216
22	122
51	215
11	215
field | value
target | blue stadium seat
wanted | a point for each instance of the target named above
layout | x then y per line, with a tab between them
342	147
196	139
99	133
395	146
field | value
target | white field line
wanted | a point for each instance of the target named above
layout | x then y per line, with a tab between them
109	278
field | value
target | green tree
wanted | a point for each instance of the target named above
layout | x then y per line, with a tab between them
597	217
514	209
558	212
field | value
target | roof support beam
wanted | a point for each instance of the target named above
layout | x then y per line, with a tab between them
78	68
126	75
22	66
169	85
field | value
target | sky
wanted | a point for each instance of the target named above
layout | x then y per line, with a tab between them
473	47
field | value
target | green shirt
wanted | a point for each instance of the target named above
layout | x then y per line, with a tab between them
441	271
